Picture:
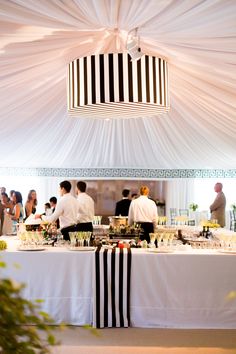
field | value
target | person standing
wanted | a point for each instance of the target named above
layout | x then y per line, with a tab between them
86	208
122	206
53	204
143	211
66	210
217	208
31	203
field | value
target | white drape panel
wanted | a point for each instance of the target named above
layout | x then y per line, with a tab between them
39	38
179	194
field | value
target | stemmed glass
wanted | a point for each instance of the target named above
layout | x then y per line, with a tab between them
159	237
73	238
152	240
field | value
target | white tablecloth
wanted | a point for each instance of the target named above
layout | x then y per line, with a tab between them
181	290
62	278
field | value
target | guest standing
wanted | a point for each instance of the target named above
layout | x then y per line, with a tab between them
66	210
122	206
217	208
18	212
53	204
31	203
86	208
143	211
8	206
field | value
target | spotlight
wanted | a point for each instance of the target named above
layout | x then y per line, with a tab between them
133	47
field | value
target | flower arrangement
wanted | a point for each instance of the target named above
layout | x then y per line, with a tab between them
193	206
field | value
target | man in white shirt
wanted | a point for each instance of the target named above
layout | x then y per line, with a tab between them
66	211
143	211
86	208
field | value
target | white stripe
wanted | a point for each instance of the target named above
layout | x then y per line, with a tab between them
162	81
89	85
70	85
135	81
117	274
125	75
151	80
116	77
125	287
76	103
157	80
106	78
97	83
109	288
81	80
101	264
143	75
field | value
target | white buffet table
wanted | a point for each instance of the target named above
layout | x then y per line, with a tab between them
181	289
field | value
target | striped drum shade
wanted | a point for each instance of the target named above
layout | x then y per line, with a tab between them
112	86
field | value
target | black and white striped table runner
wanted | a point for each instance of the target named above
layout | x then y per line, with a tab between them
111	306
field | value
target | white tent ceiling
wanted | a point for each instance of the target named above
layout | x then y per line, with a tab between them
39	38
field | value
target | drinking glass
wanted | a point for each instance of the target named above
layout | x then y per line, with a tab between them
73	238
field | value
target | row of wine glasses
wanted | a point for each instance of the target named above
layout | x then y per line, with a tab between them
163	237
80	239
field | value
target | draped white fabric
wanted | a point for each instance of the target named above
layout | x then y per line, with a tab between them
39	38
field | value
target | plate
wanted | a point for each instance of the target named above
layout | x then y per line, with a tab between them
227	251
157	250
82	248
31	249
107	247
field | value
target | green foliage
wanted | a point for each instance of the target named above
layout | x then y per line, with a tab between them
193	206
21	322
3	245
233	206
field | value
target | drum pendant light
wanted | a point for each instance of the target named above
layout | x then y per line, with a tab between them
115	85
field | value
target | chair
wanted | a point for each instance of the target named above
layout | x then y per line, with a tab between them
184	212
173	214
233	220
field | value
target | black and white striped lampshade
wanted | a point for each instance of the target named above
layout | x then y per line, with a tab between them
113	86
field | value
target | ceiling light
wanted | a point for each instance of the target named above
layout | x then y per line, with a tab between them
118	85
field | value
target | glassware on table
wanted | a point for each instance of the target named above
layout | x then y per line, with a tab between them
73	238
152	240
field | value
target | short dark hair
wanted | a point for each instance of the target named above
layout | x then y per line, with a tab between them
47	205
81	186
53	200
125	192
66	185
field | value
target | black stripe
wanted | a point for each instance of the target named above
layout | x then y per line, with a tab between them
154	79
105	289
121	285
97	272
102	86
147	78
113	299
130	79
139	79
160	80
93	79
128	283
111	77
121	82
73	102
164	78
85	82
78	82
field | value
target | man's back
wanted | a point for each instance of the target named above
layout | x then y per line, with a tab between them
122	207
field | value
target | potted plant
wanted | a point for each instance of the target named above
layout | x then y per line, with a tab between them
21	321
193	207
233	207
